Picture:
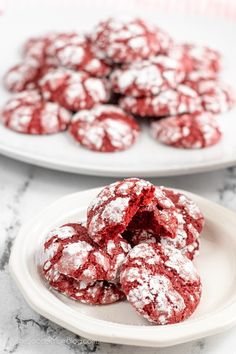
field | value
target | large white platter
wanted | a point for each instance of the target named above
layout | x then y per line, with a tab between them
23	18
119	323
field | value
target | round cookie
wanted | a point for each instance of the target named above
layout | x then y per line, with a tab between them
216	97
42	48
70	251
187	232
196	57
148	77
25	75
125	40
27	113
160	283
104	128
73	90
69	255
74	52
181	100
188	131
22	76
114	207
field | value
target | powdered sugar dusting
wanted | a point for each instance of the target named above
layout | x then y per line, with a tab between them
104	128
183	266
151	286
193	131
168	102
125	40
61	232
147	77
73	90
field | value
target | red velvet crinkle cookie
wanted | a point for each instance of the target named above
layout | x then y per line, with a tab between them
70	251
22	76
25	76
104	128
125	40
196	57
70	50
160	283
190	223
189	131
72	264
148	77
73	90
36	48
75	53
27	113
181	100
216	97
42	48
114	207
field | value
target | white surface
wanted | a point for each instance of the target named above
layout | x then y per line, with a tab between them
118	323
147	157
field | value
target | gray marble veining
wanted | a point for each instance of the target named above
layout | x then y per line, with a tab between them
24	191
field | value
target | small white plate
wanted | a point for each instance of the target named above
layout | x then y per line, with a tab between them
119	323
147	157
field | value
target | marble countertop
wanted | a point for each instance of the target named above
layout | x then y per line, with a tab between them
26	190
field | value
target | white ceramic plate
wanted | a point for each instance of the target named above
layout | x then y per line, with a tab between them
25	18
119	323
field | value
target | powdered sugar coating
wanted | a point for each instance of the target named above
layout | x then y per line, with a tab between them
27	113
35	47
216	96
190	223
122	40
73	90
162	284
148	77
181	100
111	211
196	57
187	131
72	264
61	233
104	128
72	253
95	293
117	248
43	48
22	76
74	52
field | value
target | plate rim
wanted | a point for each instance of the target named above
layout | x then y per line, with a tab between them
96	329
49	163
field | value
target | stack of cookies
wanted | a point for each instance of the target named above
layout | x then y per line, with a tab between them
138	243
77	81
